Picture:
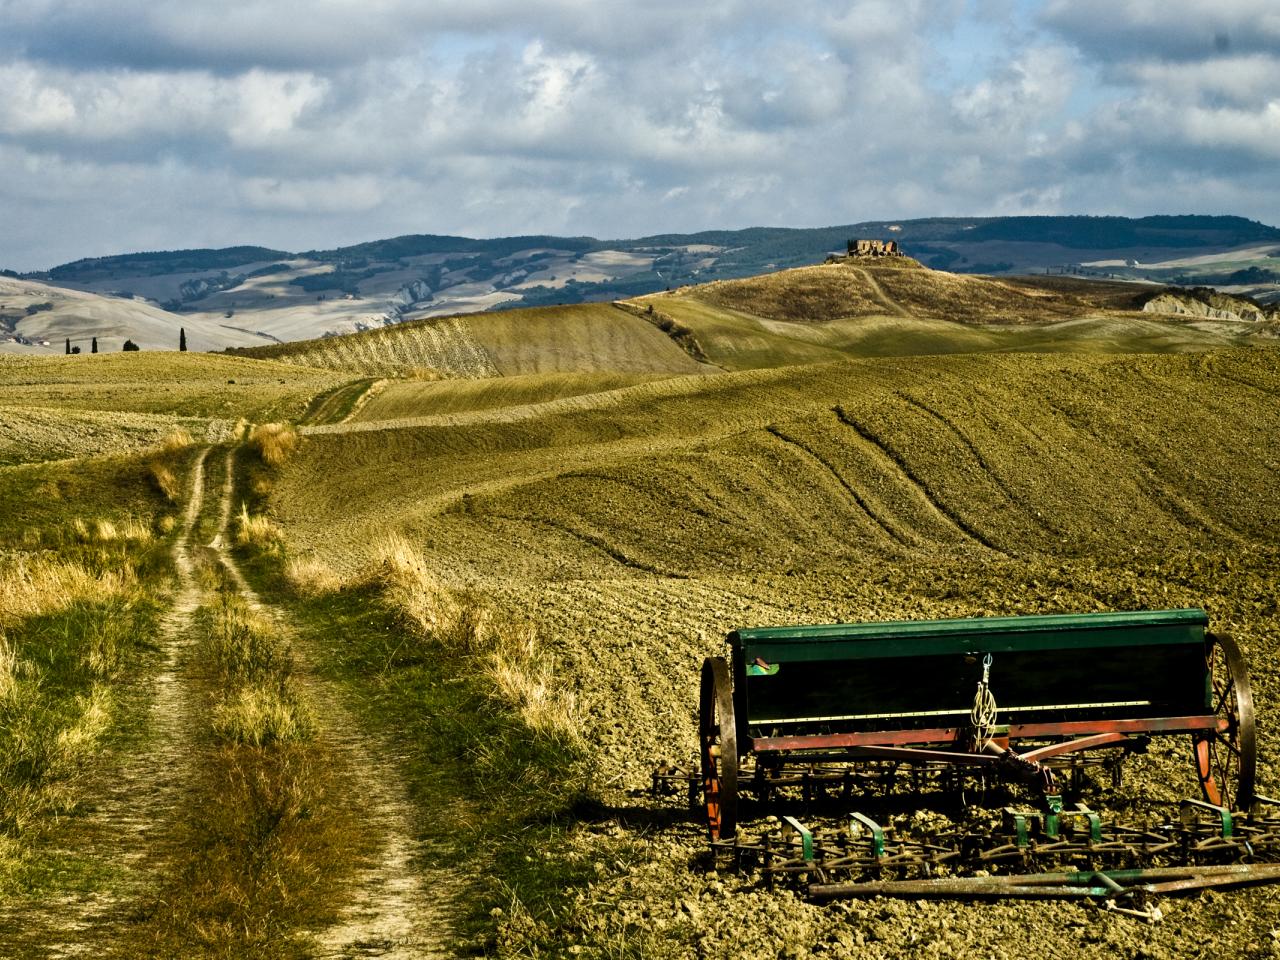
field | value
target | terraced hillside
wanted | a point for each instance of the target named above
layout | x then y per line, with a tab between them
584	338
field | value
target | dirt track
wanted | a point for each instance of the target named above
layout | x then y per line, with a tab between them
397	905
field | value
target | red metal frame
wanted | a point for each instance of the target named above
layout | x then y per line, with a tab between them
898	744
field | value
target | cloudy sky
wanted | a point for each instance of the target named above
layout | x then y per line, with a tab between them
154	124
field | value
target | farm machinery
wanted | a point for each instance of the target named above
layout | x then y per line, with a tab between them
871	715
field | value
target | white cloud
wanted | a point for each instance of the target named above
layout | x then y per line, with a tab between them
181	124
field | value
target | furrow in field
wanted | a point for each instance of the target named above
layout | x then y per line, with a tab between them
976	454
879	450
875	515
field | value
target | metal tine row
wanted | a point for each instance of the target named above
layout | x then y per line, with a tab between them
1201	834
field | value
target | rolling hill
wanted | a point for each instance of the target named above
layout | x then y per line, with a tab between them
37	318
273	295
837	310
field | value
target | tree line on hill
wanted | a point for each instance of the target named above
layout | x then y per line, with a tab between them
128	347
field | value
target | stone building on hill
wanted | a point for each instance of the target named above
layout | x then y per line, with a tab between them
874	248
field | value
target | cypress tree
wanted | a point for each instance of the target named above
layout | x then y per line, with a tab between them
182	338
68	346
93	348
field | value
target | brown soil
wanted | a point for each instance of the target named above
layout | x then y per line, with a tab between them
637	533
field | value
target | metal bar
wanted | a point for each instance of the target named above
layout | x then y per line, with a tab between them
958	712
1059	885
916	755
1249	874
1188	724
964	888
1071	746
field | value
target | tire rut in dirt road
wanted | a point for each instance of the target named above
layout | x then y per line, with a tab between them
889	303
144	793
397	905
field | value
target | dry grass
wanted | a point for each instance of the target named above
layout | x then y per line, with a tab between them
104	530
242	645
256	530
807	294
311	576
34	586
519	674
162	464
274	442
42	750
259	714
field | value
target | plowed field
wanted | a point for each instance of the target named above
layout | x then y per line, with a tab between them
637	530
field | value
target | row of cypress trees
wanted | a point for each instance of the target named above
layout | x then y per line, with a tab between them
129	345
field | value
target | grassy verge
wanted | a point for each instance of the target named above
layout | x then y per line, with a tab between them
489	746
81	595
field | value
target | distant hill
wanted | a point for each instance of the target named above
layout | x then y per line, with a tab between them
845	308
277	295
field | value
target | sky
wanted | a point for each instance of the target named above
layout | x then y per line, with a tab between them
130	125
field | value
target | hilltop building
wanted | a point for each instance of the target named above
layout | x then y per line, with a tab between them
874	248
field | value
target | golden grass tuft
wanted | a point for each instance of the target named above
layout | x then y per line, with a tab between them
177	440
106	530
274	442
161	463
165	479
258	714
411	588
311	576
33	586
256	530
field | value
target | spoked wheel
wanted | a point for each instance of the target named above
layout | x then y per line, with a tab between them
1226	758
718	739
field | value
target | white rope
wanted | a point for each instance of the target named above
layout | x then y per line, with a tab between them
983	714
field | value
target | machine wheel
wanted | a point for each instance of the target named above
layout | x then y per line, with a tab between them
718	748
1226	759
